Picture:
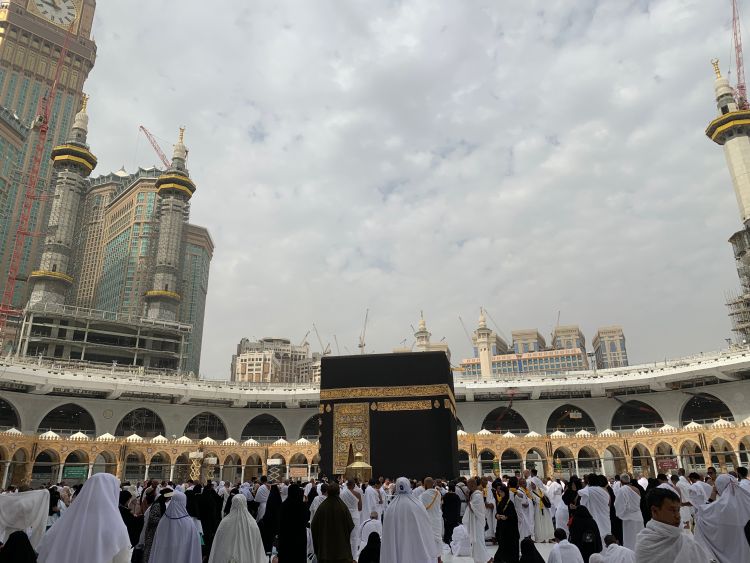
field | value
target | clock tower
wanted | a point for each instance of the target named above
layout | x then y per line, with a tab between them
32	33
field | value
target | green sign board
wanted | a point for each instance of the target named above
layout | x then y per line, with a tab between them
75	472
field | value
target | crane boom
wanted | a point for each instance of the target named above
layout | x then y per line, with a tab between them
163	157
741	90
41	122
361	344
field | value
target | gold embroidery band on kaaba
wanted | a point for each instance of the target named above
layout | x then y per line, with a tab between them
390	406
388	392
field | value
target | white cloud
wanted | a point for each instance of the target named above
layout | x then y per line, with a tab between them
529	157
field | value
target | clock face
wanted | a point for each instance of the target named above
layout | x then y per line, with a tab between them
59	12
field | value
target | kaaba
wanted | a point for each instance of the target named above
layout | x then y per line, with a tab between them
397	410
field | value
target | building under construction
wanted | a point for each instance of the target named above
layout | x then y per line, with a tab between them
731	130
122	276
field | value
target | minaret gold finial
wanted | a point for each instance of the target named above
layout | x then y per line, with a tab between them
717	70
84	102
182	135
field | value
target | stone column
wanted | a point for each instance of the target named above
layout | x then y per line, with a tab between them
60	472
6	467
309	471
91	471
145	473
575	463
171	472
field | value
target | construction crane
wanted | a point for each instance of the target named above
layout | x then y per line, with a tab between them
30	190
741	88
304	338
324	350
361	344
167	163
466	332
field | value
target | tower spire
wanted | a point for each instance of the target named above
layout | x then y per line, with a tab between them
717	70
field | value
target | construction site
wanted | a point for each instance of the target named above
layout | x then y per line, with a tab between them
103	270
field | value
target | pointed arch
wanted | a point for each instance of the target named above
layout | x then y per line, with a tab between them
634	414
505	419
68	418
264	428
705	408
571	419
142	421
9	415
206	424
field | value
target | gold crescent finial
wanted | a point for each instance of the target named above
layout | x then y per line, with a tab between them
182	134
717	70
84	102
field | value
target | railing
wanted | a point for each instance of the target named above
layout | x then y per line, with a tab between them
636	426
96	314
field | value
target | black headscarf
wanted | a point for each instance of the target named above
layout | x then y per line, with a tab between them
529	553
371	552
269	524
17	549
293	526
54	497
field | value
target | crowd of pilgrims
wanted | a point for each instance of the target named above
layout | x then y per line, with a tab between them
682	519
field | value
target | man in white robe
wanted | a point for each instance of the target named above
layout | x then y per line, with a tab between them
663	540
431	499
261	496
372	524
474	519
554	493
407	535
563	551
318	499
699	491
463	493
308	488
615	553
596	499
720	525
686	510
489	513
23	511
524	509
628	509
373	499
353	501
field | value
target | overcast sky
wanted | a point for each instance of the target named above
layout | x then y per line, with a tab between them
528	157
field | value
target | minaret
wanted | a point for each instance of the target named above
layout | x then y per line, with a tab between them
731	130
72	164
422	336
175	188
483	343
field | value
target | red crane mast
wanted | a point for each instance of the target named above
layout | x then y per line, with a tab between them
167	163
44	111
741	90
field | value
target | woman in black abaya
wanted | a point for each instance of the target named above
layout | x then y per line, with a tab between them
269	524
293	526
584	533
529	553
506	532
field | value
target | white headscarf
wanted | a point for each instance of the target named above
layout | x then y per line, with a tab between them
407	533
237	538
91	529
720	525
20	511
176	536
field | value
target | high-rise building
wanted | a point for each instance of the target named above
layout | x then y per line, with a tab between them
274	360
531	355
730	130
32	34
104	260
609	347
